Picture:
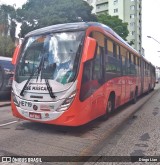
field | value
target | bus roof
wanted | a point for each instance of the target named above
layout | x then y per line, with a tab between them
59	28
79	26
76	26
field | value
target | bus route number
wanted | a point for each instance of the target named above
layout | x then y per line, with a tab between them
25	104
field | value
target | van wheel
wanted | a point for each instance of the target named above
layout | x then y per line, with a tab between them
110	108
1	78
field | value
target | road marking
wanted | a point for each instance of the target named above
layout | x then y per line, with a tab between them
12	122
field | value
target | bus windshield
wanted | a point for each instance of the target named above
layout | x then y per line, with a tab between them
52	56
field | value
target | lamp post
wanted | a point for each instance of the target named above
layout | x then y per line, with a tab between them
153	39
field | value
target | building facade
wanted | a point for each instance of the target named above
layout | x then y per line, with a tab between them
129	11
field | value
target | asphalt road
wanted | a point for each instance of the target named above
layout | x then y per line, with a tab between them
24	138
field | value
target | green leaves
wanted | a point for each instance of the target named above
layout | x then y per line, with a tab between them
6	46
115	23
39	13
7	30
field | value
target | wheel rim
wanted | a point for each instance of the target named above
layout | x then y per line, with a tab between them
109	106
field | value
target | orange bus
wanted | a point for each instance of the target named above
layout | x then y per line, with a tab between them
70	74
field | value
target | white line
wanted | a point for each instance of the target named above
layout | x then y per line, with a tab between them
1	125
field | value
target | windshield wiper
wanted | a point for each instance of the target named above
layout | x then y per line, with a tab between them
49	89
33	73
39	69
22	91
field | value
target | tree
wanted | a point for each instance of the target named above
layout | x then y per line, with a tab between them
39	13
115	23
7	21
7	30
6	46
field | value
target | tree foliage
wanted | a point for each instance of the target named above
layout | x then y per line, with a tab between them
7	30
115	23
6	46
7	21
39	13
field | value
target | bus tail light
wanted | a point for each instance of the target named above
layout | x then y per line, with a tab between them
14	99
65	105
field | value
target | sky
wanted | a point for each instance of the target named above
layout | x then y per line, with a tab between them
18	3
150	27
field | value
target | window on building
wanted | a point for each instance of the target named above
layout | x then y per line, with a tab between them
132	24
132	7
132	33
90	1
115	2
115	10
132	15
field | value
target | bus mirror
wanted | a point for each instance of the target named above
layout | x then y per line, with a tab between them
89	49
15	54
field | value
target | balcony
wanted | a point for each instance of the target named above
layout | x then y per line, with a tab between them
101	2
102	7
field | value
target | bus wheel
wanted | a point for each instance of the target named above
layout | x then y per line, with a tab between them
135	97
109	108
149	89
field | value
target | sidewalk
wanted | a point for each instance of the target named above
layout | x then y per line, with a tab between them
138	135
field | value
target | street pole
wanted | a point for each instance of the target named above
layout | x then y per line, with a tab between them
153	39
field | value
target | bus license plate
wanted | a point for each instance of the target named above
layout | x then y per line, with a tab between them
35	115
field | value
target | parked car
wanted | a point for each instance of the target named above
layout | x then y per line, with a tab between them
6	75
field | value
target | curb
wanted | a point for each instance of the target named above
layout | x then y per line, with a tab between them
5	104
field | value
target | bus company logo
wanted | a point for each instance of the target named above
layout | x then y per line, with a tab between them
35	107
46	115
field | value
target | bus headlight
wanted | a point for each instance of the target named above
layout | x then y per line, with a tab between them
65	105
14	99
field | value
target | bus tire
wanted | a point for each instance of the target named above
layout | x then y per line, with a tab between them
110	107
135	96
149	89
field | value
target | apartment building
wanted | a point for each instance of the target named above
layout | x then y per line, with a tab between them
129	11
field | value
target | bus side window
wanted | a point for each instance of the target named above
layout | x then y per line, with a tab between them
92	71
86	78
87	72
124	60
97	65
97	73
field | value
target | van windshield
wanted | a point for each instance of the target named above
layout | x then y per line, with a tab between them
55	55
